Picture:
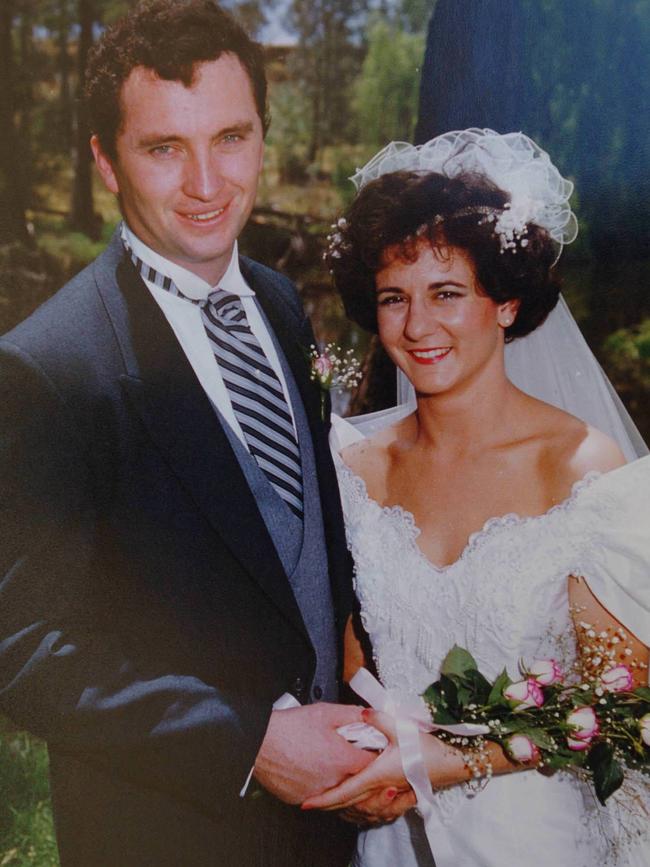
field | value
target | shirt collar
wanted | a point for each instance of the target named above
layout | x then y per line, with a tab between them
190	284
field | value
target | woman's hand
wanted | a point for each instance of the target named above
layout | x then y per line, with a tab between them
379	793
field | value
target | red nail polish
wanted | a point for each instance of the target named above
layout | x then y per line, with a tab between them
364	714
390	793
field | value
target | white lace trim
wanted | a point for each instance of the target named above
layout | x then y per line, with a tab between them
491	526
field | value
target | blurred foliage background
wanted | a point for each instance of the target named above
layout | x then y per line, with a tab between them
346	77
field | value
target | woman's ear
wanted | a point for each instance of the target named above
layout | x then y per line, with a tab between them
507	312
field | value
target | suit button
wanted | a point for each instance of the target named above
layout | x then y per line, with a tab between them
298	687
318	693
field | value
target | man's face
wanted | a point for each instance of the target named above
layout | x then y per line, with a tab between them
188	162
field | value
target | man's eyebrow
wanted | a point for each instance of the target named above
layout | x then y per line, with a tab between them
162	138
158	139
242	128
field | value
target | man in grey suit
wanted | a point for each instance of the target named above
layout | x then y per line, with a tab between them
172	556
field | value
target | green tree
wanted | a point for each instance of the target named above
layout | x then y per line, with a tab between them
12	189
328	58
414	15
252	14
82	214
386	92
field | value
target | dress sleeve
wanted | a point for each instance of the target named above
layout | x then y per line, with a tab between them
615	563
342	434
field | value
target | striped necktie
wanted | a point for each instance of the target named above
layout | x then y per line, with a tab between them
255	392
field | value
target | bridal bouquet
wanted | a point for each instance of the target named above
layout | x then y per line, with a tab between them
592	719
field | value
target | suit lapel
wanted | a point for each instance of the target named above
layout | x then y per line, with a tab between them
170	401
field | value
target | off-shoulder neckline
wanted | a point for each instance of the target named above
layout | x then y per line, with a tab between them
490	526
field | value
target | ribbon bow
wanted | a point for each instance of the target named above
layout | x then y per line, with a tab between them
412	717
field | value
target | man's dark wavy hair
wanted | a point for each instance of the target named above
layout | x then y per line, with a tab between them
399	211
169	37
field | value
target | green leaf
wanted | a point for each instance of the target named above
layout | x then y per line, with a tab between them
539	738
437	702
481	686
643	692
563	760
432	694
443	716
517	725
608	774
449	691
465	694
496	693
458	662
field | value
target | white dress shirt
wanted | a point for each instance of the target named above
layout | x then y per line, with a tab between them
187	324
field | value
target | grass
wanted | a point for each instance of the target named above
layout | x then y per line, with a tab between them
26	827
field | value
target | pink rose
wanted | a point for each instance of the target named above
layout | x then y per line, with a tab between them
521	749
618	678
585	726
644	725
323	368
545	671
524	694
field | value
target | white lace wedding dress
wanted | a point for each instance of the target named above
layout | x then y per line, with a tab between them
506	599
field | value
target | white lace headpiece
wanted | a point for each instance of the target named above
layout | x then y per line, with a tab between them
513	162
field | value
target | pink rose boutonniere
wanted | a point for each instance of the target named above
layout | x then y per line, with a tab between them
333	369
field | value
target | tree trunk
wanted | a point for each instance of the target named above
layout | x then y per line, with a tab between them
65	94
83	217
26	105
314	138
12	193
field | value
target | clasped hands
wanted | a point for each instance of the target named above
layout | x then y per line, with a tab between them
304	761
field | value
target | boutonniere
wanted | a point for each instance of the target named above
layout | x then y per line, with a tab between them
333	369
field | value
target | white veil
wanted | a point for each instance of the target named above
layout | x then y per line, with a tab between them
553	364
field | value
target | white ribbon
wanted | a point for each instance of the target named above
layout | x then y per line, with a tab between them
412	717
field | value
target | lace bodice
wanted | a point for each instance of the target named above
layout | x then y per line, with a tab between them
504	599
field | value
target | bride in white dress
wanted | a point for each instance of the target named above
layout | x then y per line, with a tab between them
485	517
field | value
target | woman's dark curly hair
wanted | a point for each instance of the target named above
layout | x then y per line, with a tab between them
401	209
169	37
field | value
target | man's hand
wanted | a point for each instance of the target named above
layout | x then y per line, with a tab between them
302	754
380	793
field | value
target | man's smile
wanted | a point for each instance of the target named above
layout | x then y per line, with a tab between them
207	215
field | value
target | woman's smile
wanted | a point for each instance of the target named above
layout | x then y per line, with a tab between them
434	320
429	356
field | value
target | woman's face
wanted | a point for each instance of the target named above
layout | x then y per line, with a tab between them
434	321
